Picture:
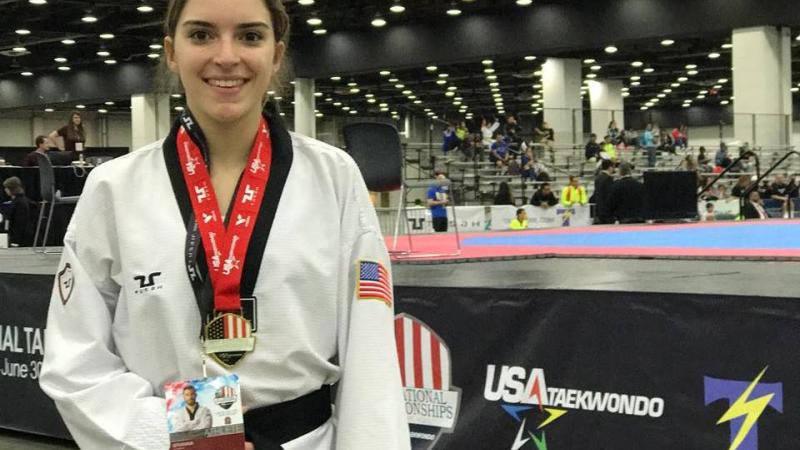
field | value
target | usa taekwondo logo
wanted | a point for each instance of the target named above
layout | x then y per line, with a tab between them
431	399
534	405
748	401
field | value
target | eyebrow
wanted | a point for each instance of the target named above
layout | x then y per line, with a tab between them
202	23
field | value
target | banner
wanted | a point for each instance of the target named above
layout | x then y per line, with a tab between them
552	217
24	300
571	370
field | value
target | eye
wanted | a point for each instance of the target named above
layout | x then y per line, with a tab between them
252	36
200	35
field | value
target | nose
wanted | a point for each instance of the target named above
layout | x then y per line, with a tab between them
227	52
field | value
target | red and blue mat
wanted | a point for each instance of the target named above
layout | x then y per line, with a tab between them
750	240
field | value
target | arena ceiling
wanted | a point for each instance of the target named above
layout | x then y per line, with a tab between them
55	35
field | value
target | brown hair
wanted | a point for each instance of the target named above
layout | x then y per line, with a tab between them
76	134
280	28
14	185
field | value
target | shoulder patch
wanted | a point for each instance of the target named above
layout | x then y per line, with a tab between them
66	282
374	283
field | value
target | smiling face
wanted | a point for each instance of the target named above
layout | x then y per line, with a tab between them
76	119
189	396
224	52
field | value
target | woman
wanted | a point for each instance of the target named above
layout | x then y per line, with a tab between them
70	137
22	219
613	132
147	263
503	196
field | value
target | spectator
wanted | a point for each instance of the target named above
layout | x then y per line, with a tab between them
648	143
488	130
689	164
527	165
754	207
602	190
573	193
544	197
461	132
503	196
709	214
71	137
703	163
626	200
450	140
22	222
592	149
512	128
609	151
665	143
42	145
782	191
499	152
741	185
631	137
613	132
438	200
521	221
545	136
721	159
678	136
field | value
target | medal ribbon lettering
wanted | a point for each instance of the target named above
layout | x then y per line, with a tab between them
226	249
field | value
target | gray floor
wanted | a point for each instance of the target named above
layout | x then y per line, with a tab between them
751	278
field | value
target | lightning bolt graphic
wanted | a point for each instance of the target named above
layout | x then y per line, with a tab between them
750	409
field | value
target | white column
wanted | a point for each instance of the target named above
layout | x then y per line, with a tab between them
563	109
150	119
607	104
305	121
762	79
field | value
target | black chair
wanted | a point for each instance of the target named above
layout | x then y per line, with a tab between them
47	189
377	150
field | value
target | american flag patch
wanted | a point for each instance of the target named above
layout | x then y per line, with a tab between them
373	282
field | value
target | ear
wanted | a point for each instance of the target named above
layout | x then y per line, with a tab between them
169	53
277	59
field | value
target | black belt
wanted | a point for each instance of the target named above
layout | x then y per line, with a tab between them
270	426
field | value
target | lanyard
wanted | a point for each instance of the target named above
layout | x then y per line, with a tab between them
225	247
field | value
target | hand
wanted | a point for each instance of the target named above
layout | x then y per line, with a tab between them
249	446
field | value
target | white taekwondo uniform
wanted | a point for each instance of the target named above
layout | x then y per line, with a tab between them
111	347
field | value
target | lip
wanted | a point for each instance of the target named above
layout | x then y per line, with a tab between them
226	90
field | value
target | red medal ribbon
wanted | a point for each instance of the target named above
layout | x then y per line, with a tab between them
226	249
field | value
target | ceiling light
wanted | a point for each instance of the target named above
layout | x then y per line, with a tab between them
431	68
637	64
383	73
667	42
444	75
68	42
701	96
713	55
589	61
488	70
178	108
60	60
179	95
591	75
453	10
110	61
102	53
306	2
595	68
649	70
397	8
724	102
795	89
441	82
155	46
378	21
626	94
491	77
487	62
530	58
27	74
611	49
691	66
19	49
102	111
635	83
319	31
524	2
683	79
89	18
64	68
399	86
314	21
106	36
675	85
49	110
80	106
636	78
336	78
661	95
717	86
153	55
722	80
109	103
37	2
23	31
352	84
355	90
692	72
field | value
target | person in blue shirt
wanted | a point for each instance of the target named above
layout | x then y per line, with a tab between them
499	152
437	201
648	142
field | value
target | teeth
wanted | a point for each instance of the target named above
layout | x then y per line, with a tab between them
226	83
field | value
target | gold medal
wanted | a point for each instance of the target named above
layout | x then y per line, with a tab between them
228	338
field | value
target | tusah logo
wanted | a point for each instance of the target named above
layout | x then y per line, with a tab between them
748	401
431	399
147	283
522	391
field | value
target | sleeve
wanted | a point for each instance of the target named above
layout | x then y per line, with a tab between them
204	422
62	132
18	222
564	194
103	404
370	410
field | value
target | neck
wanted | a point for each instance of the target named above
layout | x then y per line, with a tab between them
229	144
